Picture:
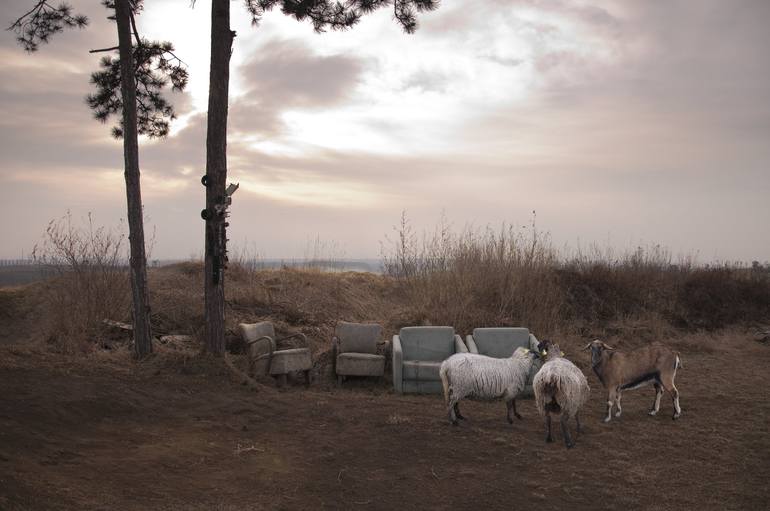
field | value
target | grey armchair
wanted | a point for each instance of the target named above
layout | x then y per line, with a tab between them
501	343
417	355
265	358
354	350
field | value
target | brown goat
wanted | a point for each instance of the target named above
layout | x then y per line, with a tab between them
619	371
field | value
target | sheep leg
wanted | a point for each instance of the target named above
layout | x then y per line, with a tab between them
577	421
658	395
457	412
452	412
610	401
548	437
511	407
565	431
617	404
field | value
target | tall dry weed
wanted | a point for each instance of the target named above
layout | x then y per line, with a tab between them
89	280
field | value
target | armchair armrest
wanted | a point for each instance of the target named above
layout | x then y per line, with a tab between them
471	344
460	346
298	335
398	369
253	360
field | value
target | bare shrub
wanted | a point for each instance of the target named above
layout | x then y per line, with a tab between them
477	277
89	280
516	277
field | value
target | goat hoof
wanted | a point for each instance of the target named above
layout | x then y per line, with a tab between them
606	420
676	416
617	414
455	423
653	413
570	445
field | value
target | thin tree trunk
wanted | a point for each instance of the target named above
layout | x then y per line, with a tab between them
216	172
138	263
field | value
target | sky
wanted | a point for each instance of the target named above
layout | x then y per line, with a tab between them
620	123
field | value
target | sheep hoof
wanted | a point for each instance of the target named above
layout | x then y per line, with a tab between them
548	440
676	416
570	445
653	413
510	421
455	423
606	420
517	416
617	414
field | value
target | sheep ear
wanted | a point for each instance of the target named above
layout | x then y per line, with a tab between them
543	353
588	346
562	353
526	350
606	347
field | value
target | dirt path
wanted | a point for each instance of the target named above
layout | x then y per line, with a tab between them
88	435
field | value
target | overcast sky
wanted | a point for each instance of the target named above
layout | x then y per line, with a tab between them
620	123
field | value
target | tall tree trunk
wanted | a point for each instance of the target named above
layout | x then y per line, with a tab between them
138	263
216	172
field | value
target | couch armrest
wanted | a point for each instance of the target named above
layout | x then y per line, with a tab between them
335	353
398	369
460	346
471	344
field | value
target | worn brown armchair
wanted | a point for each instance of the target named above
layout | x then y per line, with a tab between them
265	358
354	350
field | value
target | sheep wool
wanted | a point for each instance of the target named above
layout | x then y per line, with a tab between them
560	383
478	376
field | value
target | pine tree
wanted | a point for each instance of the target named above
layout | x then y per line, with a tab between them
130	86
324	15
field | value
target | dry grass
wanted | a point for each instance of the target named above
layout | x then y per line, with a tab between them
516	277
505	277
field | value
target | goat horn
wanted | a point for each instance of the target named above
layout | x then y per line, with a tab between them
606	347
588	346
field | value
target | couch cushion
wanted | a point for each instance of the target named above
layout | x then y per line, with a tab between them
500	342
421	371
360	364
358	337
432	343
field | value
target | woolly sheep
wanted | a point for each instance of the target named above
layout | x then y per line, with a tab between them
560	389
471	375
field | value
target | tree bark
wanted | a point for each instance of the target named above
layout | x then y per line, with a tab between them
216	172
138	262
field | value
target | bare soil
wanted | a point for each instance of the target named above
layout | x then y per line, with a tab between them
176	432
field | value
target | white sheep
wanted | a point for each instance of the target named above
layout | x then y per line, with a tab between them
560	389
478	376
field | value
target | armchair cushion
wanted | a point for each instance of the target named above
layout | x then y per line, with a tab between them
358	337
253	331
360	364
420	370
500	342
428	343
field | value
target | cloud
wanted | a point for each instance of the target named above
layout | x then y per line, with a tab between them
288	75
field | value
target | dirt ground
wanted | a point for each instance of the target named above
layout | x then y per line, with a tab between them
178	433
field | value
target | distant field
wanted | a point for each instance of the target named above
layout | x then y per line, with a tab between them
17	275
